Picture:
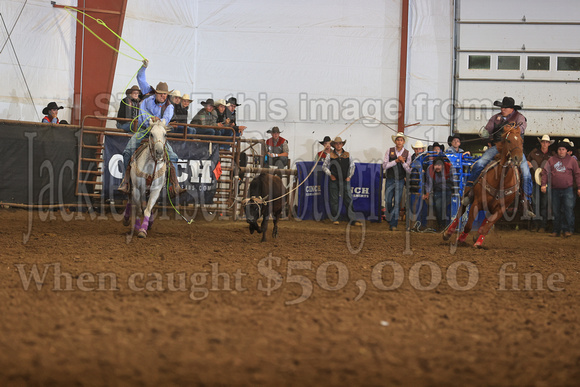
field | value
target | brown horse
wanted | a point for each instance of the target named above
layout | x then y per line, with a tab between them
495	189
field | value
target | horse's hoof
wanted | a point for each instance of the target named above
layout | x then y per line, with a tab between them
478	245
142	234
446	236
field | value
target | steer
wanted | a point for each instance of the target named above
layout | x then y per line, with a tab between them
265	199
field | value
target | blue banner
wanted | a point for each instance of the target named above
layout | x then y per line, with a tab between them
197	169
313	196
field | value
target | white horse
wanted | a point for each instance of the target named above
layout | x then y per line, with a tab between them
148	174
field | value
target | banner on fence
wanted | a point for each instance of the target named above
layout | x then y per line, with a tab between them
197	170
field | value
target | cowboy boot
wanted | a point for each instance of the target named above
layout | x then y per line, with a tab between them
467	195
174	187
125	185
527	207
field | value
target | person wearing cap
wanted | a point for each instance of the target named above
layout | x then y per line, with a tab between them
129	108
155	107
277	149
206	116
454	143
51	113
339	167
180	113
509	115
396	164
438	187
327	148
232	104
536	161
560	173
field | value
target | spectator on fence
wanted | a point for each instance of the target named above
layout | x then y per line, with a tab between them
396	164
560	173
51	113
180	113
417	205
154	107
277	149
232	104
454	143
536	161
570	152
418	148
327	148
438	187
129	108
339	167
438	147
205	116
220	110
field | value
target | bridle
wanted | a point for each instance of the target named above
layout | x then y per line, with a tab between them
507	140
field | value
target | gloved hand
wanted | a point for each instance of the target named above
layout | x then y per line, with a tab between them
145	62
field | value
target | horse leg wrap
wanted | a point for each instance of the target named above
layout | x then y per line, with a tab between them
480	230
453	226
145	224
462	237
137	224
479	241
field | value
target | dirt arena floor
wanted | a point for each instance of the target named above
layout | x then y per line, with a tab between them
208	304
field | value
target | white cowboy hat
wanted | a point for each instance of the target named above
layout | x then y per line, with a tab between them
569	142
418	145
220	102
545	137
538	176
337	140
186	97
399	135
175	93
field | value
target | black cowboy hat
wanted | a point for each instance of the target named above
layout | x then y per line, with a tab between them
507	102
275	129
326	139
439	160
439	145
209	101
450	138
233	101
50	106
564	144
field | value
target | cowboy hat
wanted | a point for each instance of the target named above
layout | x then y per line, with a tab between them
132	89
220	102
186	97
418	144
569	142
233	101
337	140
50	106
326	139
209	101
507	102
450	138
275	129
545	137
175	93
162	88
439	145
538	176
399	135
564	144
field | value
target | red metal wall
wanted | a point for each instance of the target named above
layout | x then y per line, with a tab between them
95	63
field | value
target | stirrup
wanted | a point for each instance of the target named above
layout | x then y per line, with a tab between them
467	196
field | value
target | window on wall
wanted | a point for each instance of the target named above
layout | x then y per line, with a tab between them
508	62
479	62
568	63
538	63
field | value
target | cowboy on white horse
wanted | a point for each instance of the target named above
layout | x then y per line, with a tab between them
153	108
